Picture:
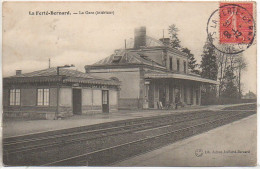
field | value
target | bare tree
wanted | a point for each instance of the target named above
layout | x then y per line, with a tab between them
240	65
236	64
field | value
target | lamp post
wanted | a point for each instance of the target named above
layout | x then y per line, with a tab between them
58	88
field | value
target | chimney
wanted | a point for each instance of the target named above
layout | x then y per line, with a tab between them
140	37
18	72
165	41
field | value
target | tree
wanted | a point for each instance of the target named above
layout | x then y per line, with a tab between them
237	65
230	89
209	70
174	40
240	66
209	67
175	43
192	65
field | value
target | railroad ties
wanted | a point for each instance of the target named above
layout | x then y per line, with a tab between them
107	143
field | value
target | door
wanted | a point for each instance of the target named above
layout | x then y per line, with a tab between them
76	94
105	101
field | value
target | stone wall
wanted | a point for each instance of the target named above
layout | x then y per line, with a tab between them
29	112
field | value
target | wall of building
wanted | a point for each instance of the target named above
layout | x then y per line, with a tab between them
97	97
86	97
97	100
65	96
28	107
129	93
65	101
176	57
113	100
92	100
5	97
28	97
53	96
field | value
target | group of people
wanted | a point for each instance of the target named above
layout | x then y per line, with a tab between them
172	105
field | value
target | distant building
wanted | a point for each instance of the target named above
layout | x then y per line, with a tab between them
249	95
153	74
36	94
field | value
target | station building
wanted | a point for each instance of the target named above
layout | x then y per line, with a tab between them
152	74
47	94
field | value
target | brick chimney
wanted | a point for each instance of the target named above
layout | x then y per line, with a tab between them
165	41
140	37
18	72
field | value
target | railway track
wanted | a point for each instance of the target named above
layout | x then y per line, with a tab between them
16	145
87	147
120	152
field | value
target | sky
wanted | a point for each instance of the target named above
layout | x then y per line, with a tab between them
30	40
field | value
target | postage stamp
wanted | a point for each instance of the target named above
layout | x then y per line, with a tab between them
231	28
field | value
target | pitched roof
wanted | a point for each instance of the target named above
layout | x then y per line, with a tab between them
53	72
50	75
128	57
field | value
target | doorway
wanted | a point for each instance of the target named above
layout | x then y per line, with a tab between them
105	101
162	94
77	101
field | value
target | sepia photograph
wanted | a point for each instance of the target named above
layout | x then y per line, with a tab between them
129	84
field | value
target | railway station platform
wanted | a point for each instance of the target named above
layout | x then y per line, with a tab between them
17	127
239	148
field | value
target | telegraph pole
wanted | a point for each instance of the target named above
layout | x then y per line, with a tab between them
58	88
49	63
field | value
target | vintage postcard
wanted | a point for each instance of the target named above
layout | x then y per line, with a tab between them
162	84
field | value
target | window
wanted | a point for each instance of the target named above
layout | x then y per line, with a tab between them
116	58
170	63
15	97
178	65
42	97
184	66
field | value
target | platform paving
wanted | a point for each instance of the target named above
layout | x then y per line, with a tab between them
18	127
233	144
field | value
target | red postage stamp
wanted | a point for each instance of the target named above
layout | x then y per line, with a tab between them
231	27
236	23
